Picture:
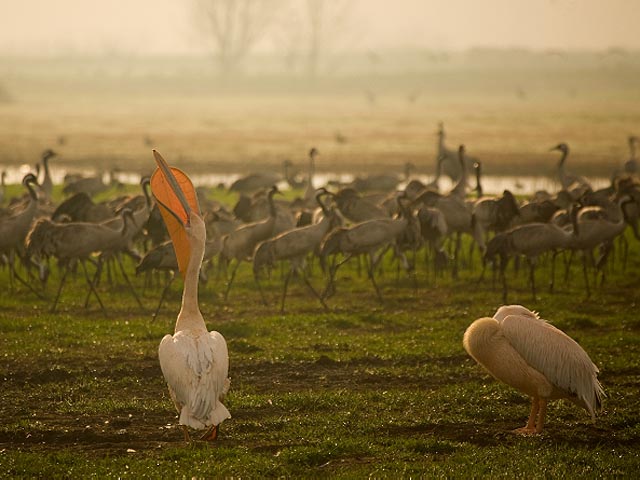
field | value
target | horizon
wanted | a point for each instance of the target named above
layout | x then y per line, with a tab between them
167	27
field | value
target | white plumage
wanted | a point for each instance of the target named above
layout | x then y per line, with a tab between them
195	366
194	362
522	350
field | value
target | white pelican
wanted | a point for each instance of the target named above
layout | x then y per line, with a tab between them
522	350
195	362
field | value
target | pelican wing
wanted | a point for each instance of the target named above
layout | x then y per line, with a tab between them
554	354
196	369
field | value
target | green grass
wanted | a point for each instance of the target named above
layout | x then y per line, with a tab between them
367	389
364	390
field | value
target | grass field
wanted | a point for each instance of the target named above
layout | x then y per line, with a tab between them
365	390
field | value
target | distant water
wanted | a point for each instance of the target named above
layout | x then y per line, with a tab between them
491	184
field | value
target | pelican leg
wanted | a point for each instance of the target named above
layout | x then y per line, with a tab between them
211	434
530	427
541	415
185	430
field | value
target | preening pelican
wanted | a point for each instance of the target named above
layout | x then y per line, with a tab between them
195	362
522	350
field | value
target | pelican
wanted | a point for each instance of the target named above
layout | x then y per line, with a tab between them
194	362
522	350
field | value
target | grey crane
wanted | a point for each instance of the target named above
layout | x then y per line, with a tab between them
15	226
495	214
372	237
458	215
163	257
382	182
574	184
3	177
295	245
240	244
631	165
447	159
591	231
530	240
75	241
79	207
355	208
255	181
47	182
90	185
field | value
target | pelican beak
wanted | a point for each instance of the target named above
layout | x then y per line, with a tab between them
177	201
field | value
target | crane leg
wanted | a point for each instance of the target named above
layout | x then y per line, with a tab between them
532	276
126	279
264	300
456	257
233	276
585	274
62	280
313	290
503	266
567	266
15	275
284	289
553	271
164	294
91	286
370	272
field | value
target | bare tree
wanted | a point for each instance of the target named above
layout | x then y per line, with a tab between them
309	31
234	27
327	23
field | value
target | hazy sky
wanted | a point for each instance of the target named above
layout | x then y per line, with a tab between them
166	26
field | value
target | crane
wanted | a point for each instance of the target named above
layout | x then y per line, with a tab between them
294	245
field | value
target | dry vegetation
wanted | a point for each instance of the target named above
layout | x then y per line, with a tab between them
112	115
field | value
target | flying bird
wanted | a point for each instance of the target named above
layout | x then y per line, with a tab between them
194	361
524	351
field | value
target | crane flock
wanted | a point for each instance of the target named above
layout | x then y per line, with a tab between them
324	225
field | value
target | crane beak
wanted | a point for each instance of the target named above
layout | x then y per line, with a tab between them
177	201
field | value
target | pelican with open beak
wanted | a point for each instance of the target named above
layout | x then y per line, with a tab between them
194	361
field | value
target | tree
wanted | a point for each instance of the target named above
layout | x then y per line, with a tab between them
235	27
328	26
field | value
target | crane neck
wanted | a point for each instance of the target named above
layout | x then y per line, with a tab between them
478	185
272	205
